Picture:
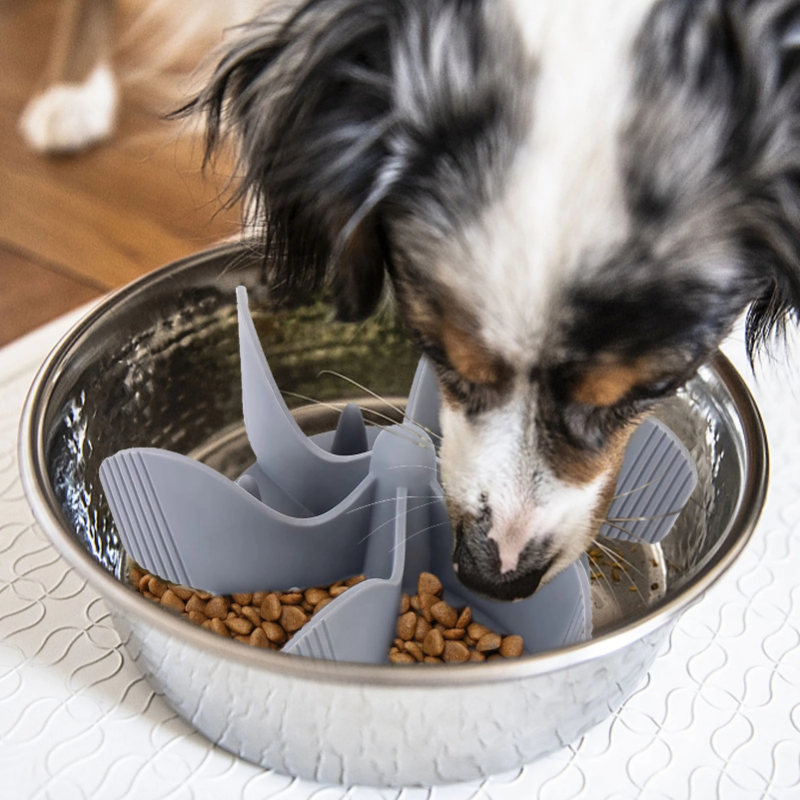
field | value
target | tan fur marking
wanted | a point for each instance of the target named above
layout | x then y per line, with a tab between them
606	384
469	357
578	468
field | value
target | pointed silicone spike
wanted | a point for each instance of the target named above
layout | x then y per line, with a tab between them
250	485
656	480
315	478
423	399
351	433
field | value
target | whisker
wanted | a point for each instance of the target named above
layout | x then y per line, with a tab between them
362	409
394	500
422	530
638	488
619	560
378	397
416	466
602	575
397	516
643	519
618	556
630	533
372	411
421	441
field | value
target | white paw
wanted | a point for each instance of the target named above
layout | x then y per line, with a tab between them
71	116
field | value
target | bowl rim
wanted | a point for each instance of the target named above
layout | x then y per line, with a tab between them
45	507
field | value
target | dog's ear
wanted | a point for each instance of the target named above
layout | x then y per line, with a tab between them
766	37
308	95
715	152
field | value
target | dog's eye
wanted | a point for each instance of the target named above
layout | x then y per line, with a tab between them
474	398
590	427
655	390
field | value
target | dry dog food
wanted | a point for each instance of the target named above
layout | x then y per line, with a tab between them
428	629
260	619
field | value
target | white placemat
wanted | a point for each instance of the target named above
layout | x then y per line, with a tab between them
718	716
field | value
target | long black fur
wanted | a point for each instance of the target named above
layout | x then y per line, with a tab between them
346	125
717	135
347	115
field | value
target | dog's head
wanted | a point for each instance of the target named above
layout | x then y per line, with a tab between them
572	201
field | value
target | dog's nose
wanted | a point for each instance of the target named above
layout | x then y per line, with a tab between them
476	560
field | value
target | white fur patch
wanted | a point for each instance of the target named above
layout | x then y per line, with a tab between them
564	201
496	456
70	117
562	212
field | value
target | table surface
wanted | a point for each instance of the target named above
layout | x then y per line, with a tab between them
718	715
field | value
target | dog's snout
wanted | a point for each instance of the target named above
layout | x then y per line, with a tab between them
476	559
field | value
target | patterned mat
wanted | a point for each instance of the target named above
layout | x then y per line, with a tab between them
717	717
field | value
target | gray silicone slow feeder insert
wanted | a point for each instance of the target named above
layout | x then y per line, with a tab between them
313	510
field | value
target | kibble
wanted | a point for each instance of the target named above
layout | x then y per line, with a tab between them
293	618
239	625
157	586
422	629
445	634
402	658
250	613
184	592
415	650
274	632
406	626
322	603
217	607
475	631
194	603
271	608
428	584
429	630
426	603
218	626
444	614
405	603
511	647
434	643
488	643
314	596
171	600
455	652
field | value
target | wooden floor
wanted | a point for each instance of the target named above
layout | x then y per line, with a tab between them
72	228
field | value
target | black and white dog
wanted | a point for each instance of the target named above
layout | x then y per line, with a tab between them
572	200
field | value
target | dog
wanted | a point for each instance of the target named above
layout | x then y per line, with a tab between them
572	203
79	104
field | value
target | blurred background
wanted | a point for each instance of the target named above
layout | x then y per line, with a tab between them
74	227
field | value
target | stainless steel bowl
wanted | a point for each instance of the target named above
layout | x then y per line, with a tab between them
157	364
